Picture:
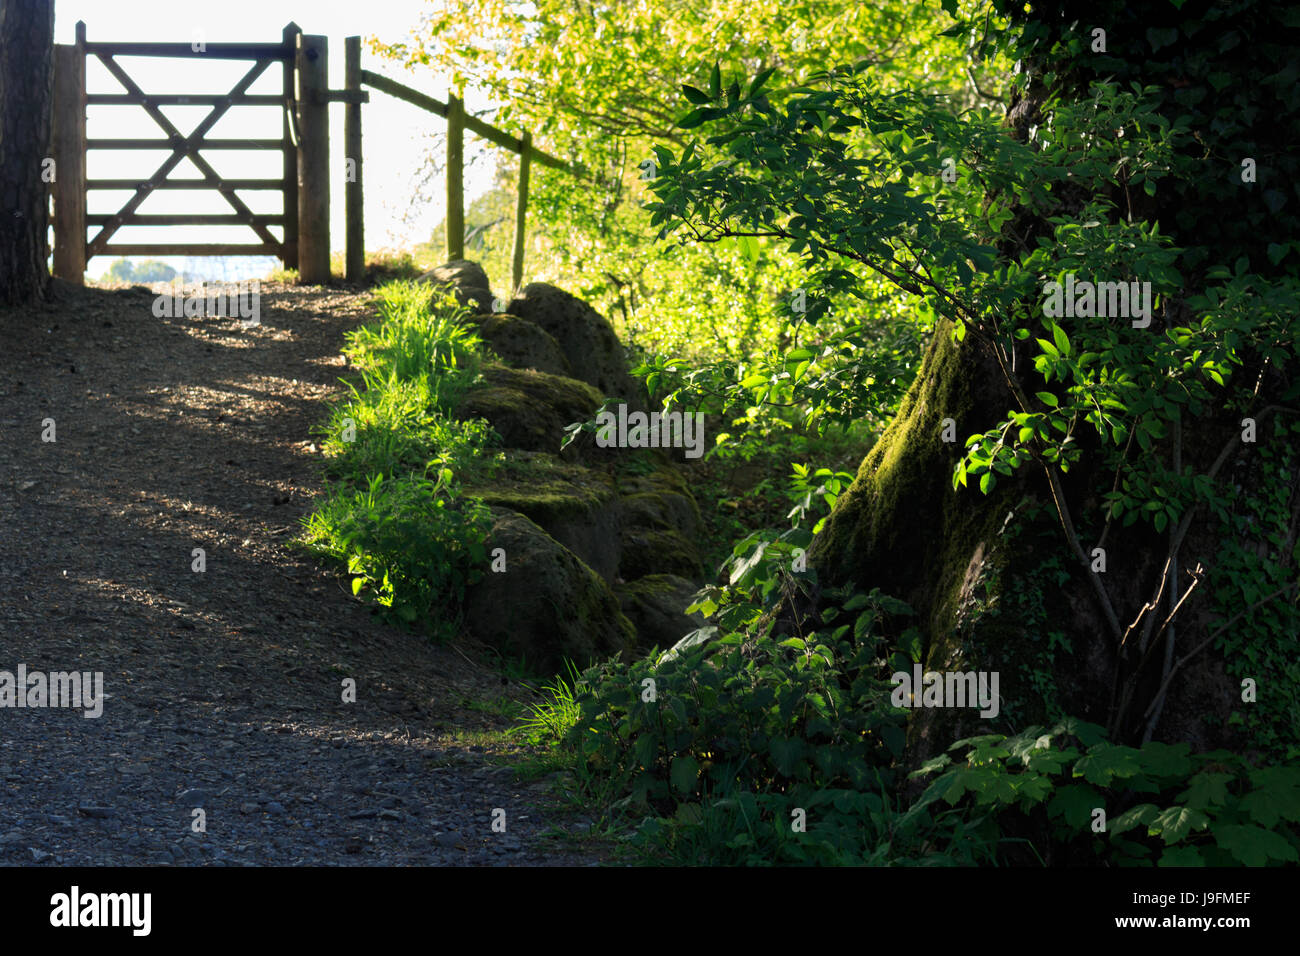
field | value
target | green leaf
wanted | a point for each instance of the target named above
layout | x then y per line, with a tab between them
1062	342
1176	822
684	773
1075	802
1048	399
715	81
1181	856
1254	845
786	753
697	97
1142	813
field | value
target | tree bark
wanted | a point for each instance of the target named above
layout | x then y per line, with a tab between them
957	555
26	80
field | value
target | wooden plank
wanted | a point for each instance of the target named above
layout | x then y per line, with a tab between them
521	211
289	259
182	99
455	172
185	219
69	186
313	160
414	97
170	144
277	184
353	201
211	51
472	123
190	249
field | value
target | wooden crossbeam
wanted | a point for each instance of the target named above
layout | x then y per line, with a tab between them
210	51
471	123
181	99
133	184
186	219
171	144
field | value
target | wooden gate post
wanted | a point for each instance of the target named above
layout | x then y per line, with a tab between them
312	62
69	185
289	259
455	178
355	256
521	210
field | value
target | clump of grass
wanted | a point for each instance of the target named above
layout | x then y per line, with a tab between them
393	512
557	714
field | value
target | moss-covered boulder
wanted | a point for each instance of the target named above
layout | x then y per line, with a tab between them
648	551
585	337
467	280
528	409
656	605
523	344
546	605
577	506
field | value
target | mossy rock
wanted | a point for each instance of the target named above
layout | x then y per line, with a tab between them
523	344
577	506
662	511
656	605
586	338
647	552
467	281
528	409
547	605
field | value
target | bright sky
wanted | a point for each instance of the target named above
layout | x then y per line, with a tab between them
396	136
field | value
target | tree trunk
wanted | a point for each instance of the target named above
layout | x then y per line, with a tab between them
994	580
26	80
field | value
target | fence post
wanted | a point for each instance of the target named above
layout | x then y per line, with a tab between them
312	62
355	257
289	38
69	185
455	178
521	209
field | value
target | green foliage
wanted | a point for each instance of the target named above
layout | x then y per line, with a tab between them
1164	805
745	729
393	513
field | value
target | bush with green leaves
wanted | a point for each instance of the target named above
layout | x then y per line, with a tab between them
1071	797
395	457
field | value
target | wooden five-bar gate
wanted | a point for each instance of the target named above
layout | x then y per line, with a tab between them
304	144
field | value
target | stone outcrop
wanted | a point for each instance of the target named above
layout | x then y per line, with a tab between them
599	545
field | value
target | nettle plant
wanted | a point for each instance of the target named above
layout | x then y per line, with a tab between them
990	234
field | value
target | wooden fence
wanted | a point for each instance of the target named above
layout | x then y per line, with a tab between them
304	144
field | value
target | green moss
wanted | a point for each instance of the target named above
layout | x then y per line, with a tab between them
545	488
647	552
901	526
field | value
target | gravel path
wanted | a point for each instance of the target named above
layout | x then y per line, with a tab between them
223	687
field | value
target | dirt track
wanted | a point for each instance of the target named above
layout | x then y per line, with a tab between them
223	686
